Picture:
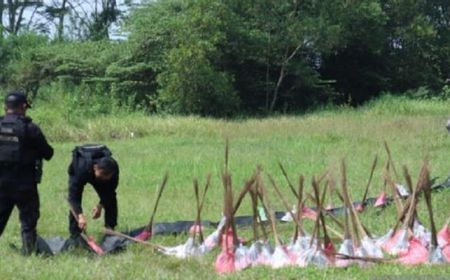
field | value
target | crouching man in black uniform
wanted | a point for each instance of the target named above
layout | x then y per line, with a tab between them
22	148
92	164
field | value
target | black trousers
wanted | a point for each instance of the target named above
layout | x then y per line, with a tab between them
27	201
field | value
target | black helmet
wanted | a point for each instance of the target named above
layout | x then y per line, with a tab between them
16	98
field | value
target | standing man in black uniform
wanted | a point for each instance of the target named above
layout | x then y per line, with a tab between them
22	148
92	164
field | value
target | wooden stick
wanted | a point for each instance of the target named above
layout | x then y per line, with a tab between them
402	216
427	192
346	223
354	214
374	164
202	201
315	232
335	220
243	192
395	195
322	177
386	171
336	233
226	154
205	190
160	191
362	230
332	189
256	191
286	204
84	235
311	198
271	214
299	227
419	187
261	198
410	187
355	235
291	186
119	234
388	151
255	214
410	202
229	209
197	218
348	233
367	259
408	179
327	239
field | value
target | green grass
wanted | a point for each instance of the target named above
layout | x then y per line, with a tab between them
189	147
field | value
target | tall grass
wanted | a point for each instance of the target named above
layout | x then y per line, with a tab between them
101	118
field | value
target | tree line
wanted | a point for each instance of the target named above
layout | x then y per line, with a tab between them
222	58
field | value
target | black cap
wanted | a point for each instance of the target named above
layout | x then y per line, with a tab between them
16	98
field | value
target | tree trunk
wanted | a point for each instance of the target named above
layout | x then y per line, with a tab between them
18	23
267	75
11	15
61	16
284	64
277	87
16	10
2	8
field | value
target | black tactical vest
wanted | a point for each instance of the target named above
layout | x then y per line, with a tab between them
91	152
12	138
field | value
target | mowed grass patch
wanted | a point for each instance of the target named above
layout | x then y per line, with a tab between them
189	147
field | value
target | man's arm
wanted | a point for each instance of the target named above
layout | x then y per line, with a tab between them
40	142
76	187
110	206
108	199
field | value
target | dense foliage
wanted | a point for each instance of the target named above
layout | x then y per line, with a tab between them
221	58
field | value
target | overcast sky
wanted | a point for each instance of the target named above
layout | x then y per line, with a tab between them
82	7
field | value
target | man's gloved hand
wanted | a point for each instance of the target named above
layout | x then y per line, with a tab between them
82	223
97	211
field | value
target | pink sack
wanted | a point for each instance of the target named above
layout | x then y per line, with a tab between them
196	229
227	239
225	262
293	252
398	243
359	207
309	213
444	236
330	252
345	249
265	256
226	259
241	259
446	252
416	253
94	246
381	200
144	235
280	257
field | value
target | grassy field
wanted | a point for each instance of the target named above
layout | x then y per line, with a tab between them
188	147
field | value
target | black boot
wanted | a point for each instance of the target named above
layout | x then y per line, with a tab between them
28	243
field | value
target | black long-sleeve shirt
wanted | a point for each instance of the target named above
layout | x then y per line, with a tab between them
82	173
35	146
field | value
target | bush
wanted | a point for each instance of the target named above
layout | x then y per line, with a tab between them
192	85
